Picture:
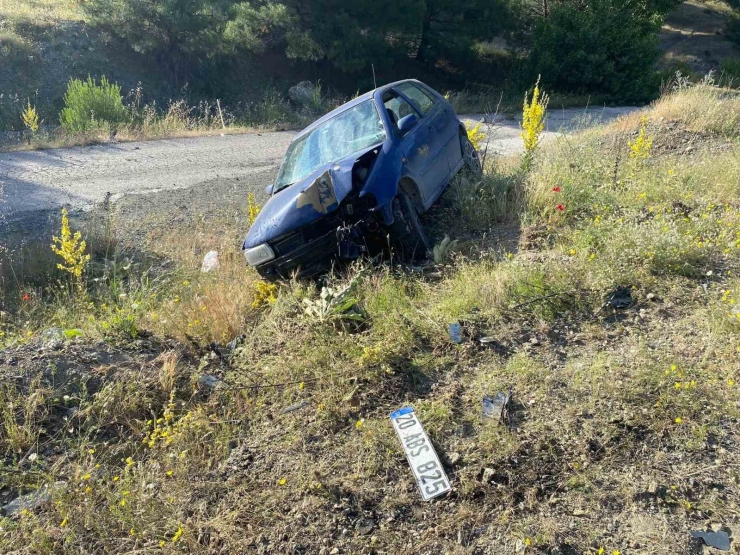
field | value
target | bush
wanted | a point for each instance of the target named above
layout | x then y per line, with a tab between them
608	47
87	105
730	67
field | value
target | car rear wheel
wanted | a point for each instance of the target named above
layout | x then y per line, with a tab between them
410	235
470	157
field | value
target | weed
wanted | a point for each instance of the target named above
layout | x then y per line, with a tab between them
533	118
30	118
253	209
71	249
475	135
640	147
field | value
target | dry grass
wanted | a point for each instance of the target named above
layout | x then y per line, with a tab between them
623	431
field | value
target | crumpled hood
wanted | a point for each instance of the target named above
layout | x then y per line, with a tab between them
303	202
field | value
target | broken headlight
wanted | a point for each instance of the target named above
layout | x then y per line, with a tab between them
259	255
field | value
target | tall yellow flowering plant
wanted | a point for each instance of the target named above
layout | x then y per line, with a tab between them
71	249
533	117
640	147
253	207
30	118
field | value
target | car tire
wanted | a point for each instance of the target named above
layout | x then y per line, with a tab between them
411	238
471	158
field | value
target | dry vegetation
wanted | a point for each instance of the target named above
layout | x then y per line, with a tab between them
624	425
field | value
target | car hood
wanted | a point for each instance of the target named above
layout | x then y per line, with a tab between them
304	202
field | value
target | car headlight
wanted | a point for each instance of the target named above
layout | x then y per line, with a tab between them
259	255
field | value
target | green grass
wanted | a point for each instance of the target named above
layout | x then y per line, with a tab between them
624	422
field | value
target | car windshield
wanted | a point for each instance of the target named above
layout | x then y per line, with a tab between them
351	131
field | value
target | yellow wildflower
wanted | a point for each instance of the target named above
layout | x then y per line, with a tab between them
533	118
177	534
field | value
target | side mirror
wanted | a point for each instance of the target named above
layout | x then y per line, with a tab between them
270	188
407	123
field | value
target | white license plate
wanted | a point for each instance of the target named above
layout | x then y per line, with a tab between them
428	471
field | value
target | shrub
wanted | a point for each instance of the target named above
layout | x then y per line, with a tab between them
87	105
607	46
731	68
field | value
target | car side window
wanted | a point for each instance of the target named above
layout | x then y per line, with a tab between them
397	107
424	102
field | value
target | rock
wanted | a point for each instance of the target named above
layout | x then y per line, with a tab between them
520	546
364	526
653	488
334	551
32	500
455	458
208	380
53	338
210	262
488	474
303	93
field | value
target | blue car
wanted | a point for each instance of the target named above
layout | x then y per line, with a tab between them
358	179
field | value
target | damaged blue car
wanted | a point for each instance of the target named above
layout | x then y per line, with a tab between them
358	179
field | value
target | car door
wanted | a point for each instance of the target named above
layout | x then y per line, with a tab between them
437	118
450	130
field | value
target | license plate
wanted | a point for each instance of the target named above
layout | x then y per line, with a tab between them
423	460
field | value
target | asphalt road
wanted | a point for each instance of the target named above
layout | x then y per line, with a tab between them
37	182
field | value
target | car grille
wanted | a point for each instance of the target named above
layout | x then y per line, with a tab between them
291	241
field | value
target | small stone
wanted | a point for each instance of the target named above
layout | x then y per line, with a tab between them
334	551
209	381
455	458
579	512
364	526
31	500
653	488
488	475
520	546
53	338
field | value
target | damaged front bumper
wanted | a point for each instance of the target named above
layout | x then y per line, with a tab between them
311	251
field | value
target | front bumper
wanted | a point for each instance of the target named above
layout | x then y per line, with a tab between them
306	260
317	254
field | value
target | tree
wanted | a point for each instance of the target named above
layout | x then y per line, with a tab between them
598	46
452	26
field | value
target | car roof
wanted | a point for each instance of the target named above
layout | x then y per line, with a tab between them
352	103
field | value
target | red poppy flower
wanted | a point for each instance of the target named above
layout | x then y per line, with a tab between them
556	189
26	297
560	207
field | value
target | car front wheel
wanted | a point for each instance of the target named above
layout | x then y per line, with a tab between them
410	236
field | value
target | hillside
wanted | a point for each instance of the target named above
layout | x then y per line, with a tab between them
179	411
695	36
44	43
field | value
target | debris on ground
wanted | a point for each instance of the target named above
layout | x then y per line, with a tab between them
32	500
295	407
210	262
497	407
719	540
620	298
209	381
456	333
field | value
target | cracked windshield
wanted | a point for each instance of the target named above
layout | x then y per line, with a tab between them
351	131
